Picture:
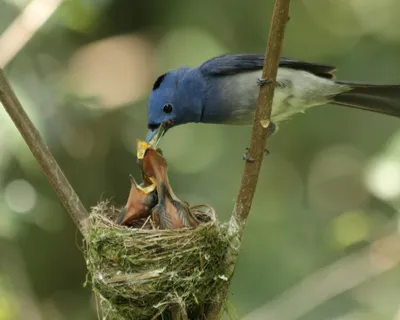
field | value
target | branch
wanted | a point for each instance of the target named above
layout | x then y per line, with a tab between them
42	153
257	146
262	115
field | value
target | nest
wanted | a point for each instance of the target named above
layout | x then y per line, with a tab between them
144	273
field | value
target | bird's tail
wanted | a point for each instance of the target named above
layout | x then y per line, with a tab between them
373	97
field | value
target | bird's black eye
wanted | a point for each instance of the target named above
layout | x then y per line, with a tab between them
167	108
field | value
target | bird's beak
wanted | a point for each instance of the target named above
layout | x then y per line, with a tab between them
154	136
143	189
150	135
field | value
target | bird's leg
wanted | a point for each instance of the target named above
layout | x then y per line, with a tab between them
250	159
246	156
262	82
271	129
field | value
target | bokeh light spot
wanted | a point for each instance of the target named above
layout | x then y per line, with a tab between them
116	70
20	196
79	15
383	178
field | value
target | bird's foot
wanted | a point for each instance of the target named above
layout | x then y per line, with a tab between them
250	159
262	82
246	156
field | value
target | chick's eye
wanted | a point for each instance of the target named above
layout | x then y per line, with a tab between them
167	108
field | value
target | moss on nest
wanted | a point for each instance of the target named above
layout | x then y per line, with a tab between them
143	273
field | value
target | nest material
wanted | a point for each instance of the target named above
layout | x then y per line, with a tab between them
144	273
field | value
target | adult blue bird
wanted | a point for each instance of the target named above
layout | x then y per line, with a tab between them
224	90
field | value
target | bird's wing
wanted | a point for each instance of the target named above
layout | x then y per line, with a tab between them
229	64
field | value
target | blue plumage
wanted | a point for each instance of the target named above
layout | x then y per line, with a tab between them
224	90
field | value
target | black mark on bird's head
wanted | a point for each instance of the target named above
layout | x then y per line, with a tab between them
157	83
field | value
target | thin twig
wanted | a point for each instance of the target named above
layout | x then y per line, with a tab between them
342	275
258	142
42	154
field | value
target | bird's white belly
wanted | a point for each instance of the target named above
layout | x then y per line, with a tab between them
285	104
295	92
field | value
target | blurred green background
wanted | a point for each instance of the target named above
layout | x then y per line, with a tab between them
330	186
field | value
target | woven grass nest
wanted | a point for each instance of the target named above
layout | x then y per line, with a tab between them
144	273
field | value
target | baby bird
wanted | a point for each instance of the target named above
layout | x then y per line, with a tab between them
140	202
170	212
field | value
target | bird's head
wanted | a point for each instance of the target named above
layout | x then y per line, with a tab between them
140	202
175	99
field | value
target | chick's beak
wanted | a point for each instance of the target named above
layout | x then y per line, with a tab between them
137	204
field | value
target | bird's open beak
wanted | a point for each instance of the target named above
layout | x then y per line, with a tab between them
154	136
145	189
